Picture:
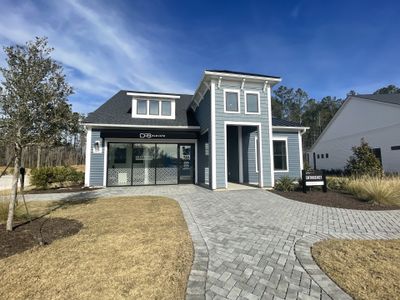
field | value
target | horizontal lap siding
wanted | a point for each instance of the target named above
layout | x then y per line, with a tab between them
221	117
96	162
294	155
249	155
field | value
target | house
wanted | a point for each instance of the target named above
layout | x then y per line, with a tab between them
376	118
222	133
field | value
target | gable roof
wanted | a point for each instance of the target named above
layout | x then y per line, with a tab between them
243	73
118	110
385	98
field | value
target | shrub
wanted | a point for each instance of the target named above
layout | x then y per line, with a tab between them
43	177
337	183
285	184
379	190
363	162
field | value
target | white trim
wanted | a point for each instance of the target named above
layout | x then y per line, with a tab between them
105	162
283	128
254	77
235	91
258	102
153	95
271	146
238	123
140	126
148	115
240	150
301	153
283	138
213	140
195	163
256	152
261	159
88	155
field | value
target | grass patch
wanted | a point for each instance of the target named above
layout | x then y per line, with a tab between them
364	269
129	247
36	209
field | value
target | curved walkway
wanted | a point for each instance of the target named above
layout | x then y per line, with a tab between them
250	238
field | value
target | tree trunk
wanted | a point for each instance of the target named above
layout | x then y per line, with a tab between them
39	154
11	207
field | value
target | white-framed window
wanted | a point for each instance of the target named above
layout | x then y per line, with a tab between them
256	152
281	159
232	101
252	102
153	108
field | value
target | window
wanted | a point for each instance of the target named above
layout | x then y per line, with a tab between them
165	108
395	147
322	155
317	156
252	102
280	155
232	101
142	107
154	107
326	155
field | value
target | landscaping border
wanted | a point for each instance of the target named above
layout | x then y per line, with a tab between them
196	285
302	250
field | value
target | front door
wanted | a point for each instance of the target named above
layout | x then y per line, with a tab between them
186	159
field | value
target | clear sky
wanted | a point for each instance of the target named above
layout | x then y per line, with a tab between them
323	47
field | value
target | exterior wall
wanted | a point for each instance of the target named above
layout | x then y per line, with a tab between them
250	174
203	113
294	155
377	122
96	161
221	117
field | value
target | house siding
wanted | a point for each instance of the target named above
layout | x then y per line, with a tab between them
293	154
96	161
249	155
221	117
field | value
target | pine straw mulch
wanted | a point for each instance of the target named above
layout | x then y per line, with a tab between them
115	248
364	269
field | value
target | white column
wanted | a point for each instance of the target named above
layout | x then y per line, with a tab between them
260	159
88	155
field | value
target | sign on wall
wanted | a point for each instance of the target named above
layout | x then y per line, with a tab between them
314	178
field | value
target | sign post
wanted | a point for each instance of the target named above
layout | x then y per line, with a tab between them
314	178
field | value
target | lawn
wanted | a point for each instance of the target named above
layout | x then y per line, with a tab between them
364	269
117	248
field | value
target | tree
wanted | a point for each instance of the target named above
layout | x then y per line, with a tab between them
363	161
390	89
291	103
34	107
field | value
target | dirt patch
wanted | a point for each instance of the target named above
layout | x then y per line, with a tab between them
128	248
27	236
364	269
334	199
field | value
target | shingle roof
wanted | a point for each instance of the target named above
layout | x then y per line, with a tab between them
243	73
386	98
280	122
117	110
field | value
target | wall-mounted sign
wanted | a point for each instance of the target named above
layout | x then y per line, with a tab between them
149	135
314	178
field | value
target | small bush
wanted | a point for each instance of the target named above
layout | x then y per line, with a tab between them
285	184
379	190
42	178
337	183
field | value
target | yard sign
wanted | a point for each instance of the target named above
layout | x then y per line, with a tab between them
314	178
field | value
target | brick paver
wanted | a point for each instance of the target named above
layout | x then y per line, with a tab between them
244	240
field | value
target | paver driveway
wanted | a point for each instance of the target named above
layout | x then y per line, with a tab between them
250	237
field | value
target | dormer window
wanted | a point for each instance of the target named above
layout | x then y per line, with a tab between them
153	106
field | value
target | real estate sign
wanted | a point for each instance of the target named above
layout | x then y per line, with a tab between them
314	178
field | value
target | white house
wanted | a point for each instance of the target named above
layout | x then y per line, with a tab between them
376	118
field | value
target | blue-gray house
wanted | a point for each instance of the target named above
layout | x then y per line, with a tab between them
223	133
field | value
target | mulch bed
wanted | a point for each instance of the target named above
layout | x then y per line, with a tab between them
70	189
26	236
334	199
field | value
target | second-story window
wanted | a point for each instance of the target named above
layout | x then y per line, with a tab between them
252	102
142	107
231	101
165	108
154	107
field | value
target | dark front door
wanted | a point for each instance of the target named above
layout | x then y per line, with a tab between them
186	158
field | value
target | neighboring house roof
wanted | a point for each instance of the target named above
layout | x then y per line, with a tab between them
385	98
243	73
118	110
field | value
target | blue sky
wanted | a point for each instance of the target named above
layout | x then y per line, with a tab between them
323	47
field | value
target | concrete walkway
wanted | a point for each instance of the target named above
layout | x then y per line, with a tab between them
245	239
